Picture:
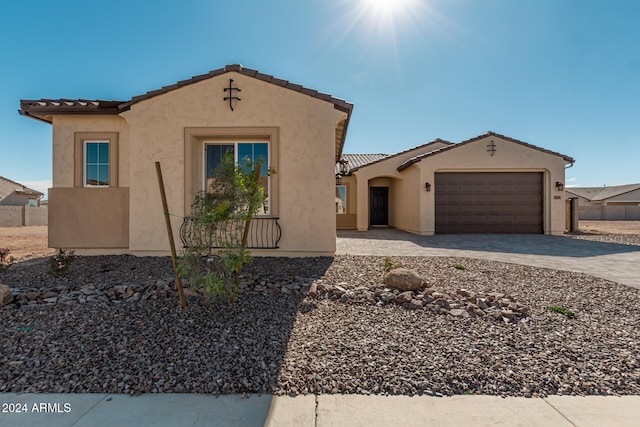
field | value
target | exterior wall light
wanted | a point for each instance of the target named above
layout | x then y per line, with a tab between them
427	186
559	186
344	168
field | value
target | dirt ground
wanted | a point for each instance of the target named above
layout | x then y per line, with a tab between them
25	242
31	242
610	227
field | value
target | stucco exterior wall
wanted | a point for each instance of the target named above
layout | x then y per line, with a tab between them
412	208
509	157
88	218
64	130
387	168
403	196
305	153
348	220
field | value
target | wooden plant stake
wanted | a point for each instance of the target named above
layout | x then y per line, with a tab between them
167	220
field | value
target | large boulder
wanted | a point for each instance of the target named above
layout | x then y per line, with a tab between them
5	295
403	279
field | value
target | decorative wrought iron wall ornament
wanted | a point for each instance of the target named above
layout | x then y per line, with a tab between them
230	98
491	148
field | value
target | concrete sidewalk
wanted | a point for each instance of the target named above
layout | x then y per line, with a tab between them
612	261
176	410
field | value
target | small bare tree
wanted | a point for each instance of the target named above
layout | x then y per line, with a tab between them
218	229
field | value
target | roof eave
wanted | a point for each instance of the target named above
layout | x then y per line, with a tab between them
34	116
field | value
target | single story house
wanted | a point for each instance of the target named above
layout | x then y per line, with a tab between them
615	202
13	193
20	205
105	197
488	184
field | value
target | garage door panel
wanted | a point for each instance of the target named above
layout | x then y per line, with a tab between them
501	202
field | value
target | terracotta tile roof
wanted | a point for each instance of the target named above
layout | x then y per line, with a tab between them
339	104
43	109
595	194
389	156
356	161
416	159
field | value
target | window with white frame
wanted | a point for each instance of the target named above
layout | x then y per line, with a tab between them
96	164
244	152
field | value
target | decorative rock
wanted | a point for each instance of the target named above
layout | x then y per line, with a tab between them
404	297
463	292
403	279
414	304
386	297
5	295
313	289
482	303
325	287
441	302
458	312
339	290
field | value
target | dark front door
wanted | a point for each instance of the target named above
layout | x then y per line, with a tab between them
379	206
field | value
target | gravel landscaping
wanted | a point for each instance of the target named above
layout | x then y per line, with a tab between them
319	325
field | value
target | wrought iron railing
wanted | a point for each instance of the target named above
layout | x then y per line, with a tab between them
264	233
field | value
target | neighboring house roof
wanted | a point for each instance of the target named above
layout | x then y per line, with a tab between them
23	189
43	109
418	158
595	194
380	157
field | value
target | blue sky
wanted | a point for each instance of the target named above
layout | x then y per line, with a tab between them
560	74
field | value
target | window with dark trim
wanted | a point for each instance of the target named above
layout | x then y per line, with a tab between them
244	153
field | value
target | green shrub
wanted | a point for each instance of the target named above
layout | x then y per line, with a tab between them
220	218
390	264
562	310
60	262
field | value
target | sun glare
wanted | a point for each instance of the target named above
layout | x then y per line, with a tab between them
387	7
382	25
386	16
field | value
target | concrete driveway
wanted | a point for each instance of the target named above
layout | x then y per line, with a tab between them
611	261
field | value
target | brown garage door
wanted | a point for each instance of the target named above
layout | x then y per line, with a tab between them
483	202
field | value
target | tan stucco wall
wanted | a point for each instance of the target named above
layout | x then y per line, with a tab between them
64	130
89	218
405	201
412	208
306	143
509	157
347	221
388	169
